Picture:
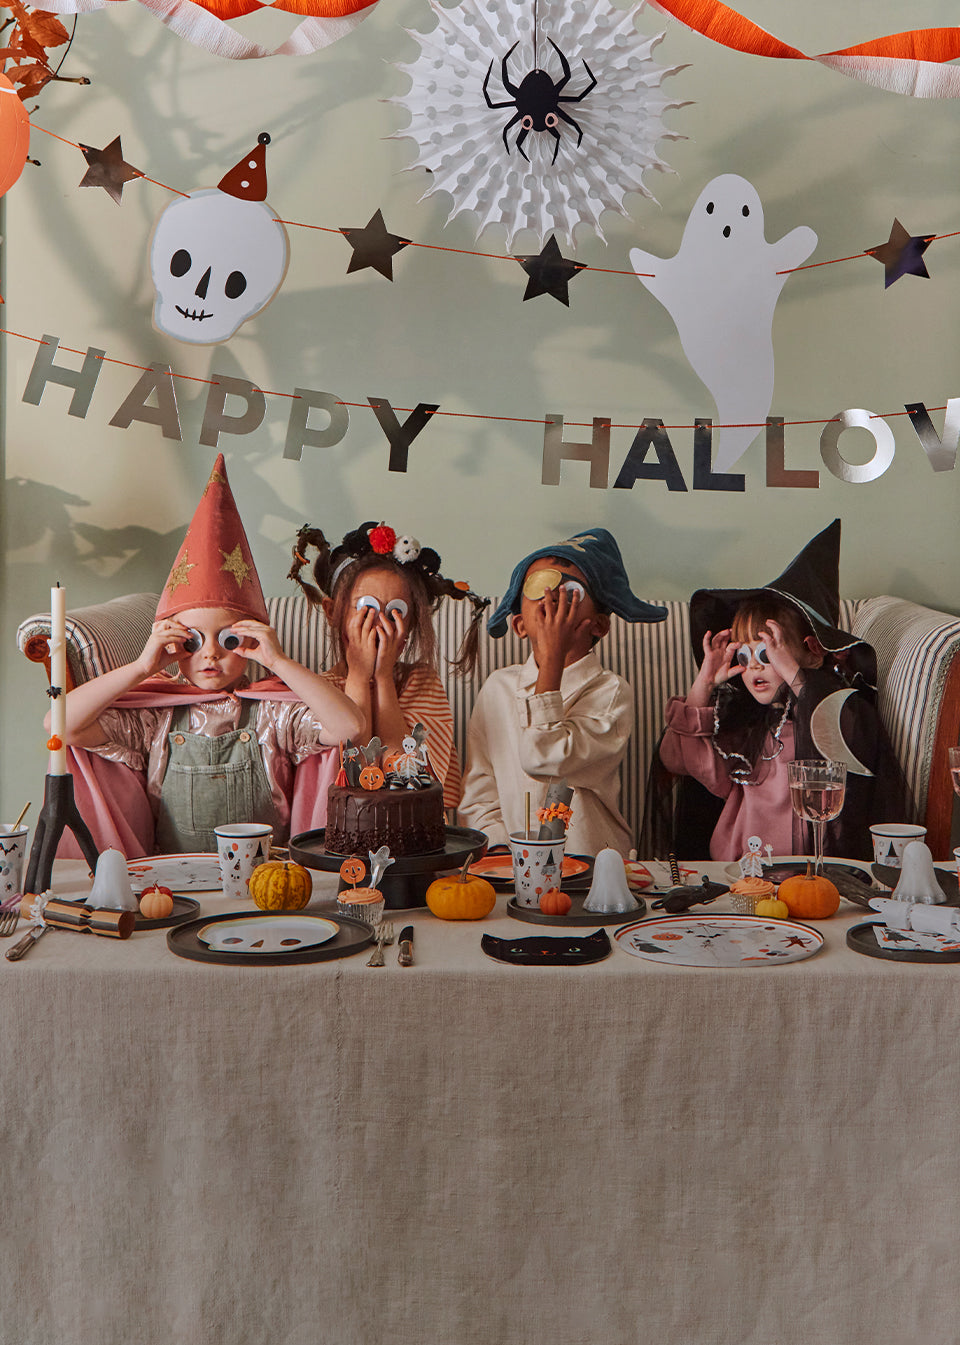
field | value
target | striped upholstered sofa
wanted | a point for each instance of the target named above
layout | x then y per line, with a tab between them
918	651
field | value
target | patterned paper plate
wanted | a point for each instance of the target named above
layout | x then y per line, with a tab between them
498	868
719	940
181	873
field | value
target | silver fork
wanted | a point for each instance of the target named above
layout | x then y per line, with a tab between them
8	922
384	935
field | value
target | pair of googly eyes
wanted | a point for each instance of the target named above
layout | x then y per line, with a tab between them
227	639
759	653
394	606
542	582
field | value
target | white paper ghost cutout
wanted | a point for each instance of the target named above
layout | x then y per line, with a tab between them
216	260
721	290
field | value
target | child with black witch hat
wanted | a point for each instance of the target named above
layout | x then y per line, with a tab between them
779	681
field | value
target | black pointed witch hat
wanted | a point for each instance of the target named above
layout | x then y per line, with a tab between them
811	583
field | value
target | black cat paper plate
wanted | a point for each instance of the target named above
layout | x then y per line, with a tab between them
549	950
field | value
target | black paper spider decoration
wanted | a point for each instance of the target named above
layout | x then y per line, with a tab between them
537	100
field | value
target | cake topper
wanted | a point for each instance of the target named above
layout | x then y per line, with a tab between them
751	864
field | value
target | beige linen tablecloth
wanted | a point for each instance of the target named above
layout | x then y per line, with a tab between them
462	1153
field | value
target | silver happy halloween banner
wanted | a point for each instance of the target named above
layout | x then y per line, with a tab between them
650	457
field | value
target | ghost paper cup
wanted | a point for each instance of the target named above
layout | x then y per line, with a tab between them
241	846
891	838
536	867
13	844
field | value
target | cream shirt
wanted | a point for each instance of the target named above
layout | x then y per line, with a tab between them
518	742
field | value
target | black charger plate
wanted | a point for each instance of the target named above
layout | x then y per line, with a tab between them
353	936
862	939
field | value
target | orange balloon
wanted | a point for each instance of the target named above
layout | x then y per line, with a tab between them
14	135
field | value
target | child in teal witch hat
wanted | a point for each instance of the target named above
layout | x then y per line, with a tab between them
559	715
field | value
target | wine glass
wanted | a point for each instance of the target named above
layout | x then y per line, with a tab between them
817	789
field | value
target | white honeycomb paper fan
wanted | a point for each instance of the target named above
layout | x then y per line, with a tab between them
460	138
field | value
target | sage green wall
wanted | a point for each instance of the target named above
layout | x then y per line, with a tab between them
103	509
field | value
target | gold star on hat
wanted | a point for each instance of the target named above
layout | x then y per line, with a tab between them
180	574
234	564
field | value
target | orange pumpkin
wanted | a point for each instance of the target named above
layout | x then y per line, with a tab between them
459	897
371	777
809	896
555	902
156	902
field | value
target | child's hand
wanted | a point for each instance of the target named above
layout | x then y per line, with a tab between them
782	660
718	666
391	637
561	627
260	641
164	644
360	640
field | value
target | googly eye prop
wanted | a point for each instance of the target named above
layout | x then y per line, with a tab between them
542	582
227	639
394	605
759	653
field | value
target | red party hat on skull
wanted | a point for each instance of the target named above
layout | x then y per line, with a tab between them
248	178
214	566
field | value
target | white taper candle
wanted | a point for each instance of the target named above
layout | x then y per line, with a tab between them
58	678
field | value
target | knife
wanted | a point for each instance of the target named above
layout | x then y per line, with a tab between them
405	946
21	949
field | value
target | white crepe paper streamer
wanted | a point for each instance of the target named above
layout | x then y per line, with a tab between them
459	137
201	28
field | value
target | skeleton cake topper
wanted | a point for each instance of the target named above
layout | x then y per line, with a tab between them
219	255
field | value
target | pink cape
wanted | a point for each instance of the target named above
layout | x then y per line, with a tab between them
113	799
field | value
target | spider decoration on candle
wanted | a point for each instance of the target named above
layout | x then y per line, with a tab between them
537	100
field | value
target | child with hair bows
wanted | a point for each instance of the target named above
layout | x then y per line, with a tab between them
211	748
379	593
779	681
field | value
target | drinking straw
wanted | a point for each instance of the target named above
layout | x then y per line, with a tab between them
23	813
526	815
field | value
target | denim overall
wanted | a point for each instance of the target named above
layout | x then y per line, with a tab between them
211	782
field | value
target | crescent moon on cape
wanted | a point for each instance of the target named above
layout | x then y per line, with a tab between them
828	736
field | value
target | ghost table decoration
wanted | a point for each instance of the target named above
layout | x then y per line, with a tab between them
721	289
609	890
112	890
218	256
918	878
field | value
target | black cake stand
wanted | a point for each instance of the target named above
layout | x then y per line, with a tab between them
406	881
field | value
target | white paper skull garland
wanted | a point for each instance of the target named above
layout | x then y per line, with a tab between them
218	256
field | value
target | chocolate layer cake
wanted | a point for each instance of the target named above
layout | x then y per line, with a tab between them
409	821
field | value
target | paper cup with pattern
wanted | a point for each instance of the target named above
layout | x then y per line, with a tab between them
891	838
13	845
241	846
537	867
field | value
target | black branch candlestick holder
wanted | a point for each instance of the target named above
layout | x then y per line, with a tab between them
59	812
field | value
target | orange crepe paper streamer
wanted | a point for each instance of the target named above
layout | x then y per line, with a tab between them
918	46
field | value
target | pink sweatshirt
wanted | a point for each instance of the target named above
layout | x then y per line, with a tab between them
761	809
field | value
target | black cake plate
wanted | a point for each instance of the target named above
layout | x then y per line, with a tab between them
406	881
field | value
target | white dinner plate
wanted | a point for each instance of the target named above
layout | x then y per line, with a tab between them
181	873
268	933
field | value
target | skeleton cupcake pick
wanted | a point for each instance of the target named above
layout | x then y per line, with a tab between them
219	255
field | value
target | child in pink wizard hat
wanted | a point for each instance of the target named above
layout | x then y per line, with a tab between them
213	749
